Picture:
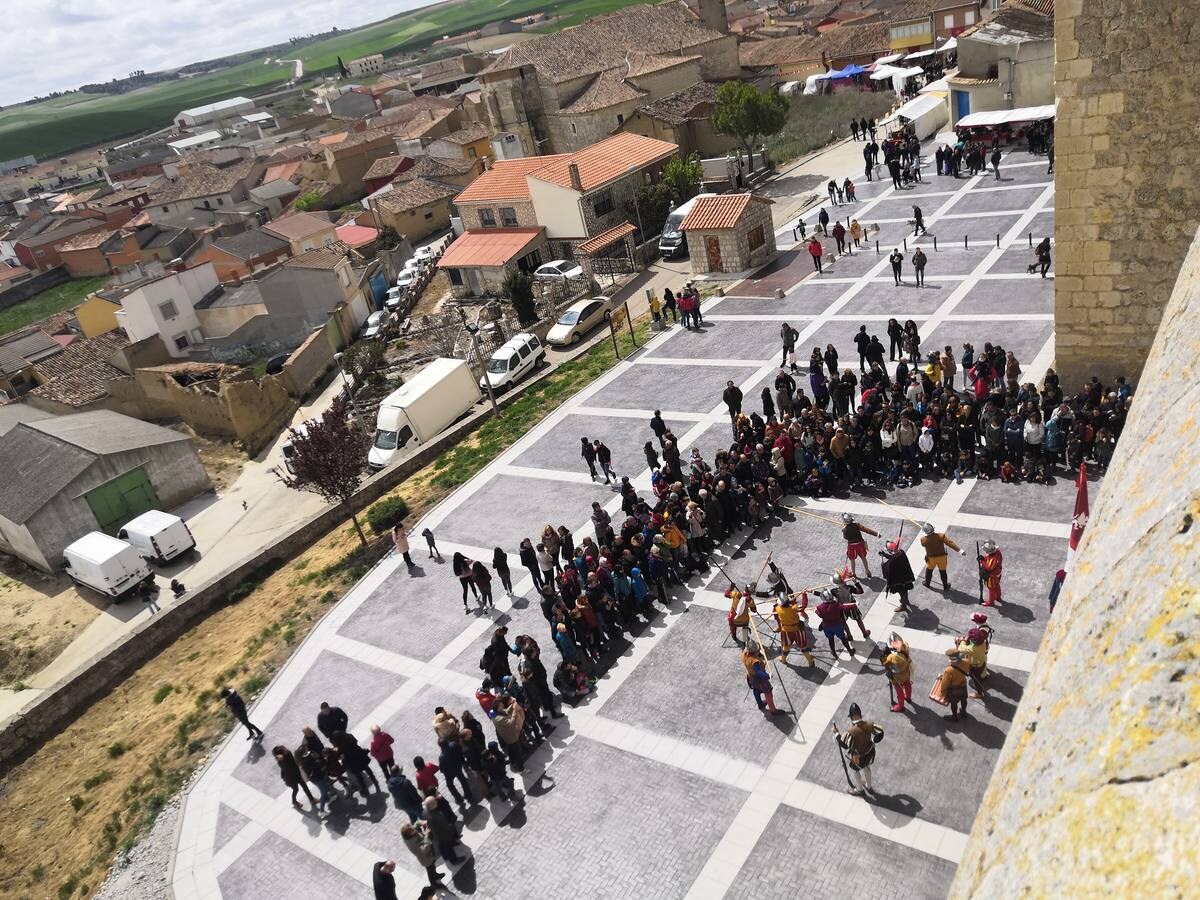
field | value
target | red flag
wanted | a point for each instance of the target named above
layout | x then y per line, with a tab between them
1079	520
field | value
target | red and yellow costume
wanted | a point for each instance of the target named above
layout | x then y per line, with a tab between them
992	566
791	629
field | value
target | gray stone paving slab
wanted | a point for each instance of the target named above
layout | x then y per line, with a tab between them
680	387
900	206
1040	502
229	823
1043	224
354	686
721	340
1012	174
982	201
1017	259
719	436
692	687
1024	338
275	869
508	508
950	258
559	447
786	269
411	614
809	299
904	302
608	824
925	494
926	766
808	550
1030	562
802	854
1006	296
524	618
981	231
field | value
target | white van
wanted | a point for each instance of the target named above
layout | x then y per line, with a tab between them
159	535
673	242
105	564
417	411
519	356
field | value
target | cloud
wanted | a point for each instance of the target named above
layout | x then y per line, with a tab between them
57	45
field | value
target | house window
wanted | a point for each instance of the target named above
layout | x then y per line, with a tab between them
166	209
487	219
220	201
471	153
455	277
181	342
756	237
168	310
969	17
508	217
996	5
948	20
620	119
428	215
573	129
602	205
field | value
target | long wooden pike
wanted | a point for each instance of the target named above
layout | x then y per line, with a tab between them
897	512
805	512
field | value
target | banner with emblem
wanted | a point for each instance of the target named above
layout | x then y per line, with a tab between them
1079	520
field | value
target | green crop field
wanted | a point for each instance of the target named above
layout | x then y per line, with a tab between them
79	120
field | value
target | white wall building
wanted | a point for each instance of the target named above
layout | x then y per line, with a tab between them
193	142
164	305
212	112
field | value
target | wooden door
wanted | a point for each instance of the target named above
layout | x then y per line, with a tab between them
712	247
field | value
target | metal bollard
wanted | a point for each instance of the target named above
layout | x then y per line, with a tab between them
997	241
906	245
1031	239
965	245
877	248
795	236
935	243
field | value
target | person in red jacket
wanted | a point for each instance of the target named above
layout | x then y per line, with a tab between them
381	749
816	250
991	567
839	235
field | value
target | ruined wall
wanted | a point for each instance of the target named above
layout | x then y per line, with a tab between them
1127	196
1095	793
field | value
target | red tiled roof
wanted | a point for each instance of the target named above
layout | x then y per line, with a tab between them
281	171
490	247
608	159
356	235
606	238
506	179
295	226
722	211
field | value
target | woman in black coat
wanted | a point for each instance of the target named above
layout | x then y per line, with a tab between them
289	771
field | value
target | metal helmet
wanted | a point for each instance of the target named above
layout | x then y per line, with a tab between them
893	546
854	711
989	545
847	518
927	528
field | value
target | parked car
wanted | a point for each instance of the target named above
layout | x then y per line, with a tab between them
374	325
425	254
405	279
579	318
395	296
559	270
520	355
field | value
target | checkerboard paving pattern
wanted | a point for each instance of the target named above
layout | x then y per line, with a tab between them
668	782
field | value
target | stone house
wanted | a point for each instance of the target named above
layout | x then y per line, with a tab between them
683	118
203	184
730	233
241	255
1007	62
478	261
416	208
472	141
796	57
146	243
83	254
567	90
86	472
302	231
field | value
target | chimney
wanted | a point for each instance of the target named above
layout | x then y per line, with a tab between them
576	181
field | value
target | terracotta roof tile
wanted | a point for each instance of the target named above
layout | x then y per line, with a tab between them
468	134
203	179
319	257
720	212
415	193
491	247
606	160
607	89
80	374
298	225
438	167
506	179
695	102
606	238
384	167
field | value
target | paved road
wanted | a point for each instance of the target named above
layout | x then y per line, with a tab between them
669	783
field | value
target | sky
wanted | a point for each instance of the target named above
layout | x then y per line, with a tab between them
56	45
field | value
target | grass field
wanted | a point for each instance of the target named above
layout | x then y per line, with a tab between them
811	119
47	303
78	120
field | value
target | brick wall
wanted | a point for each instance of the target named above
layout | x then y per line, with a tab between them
1127	196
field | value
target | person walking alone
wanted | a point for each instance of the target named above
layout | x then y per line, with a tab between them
400	542
918	221
859	742
815	250
237	706
918	260
897	261
996	162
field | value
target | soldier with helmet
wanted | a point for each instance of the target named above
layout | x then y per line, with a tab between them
790	619
833	621
898	573
844	592
935	544
991	567
859	742
856	544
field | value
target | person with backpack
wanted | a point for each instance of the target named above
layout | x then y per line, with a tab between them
858	742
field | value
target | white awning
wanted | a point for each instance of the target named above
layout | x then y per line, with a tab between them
920	54
949	45
918	106
1001	116
884	60
882	72
909	72
939	85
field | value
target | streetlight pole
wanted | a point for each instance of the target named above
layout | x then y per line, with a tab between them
473	331
337	358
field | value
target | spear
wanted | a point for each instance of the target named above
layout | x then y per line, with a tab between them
814	515
897	512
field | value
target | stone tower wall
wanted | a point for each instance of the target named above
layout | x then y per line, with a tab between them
1127	196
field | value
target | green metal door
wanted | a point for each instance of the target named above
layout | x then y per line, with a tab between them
116	502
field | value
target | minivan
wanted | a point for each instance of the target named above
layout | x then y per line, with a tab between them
106	564
158	535
519	356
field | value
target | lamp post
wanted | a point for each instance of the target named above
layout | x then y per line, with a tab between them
337	358
473	331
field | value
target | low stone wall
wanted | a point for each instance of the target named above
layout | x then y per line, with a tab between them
43	281
310	361
23	734
1095	791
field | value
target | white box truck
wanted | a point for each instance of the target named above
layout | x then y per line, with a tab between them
105	564
418	410
159	535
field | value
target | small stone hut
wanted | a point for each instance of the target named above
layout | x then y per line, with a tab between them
730	232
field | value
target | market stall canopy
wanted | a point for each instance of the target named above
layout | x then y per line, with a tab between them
920	54
948	46
810	83
1002	116
882	72
939	85
884	60
916	107
832	73
908	72
849	71
926	114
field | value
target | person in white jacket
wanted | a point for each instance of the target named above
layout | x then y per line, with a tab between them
1034	434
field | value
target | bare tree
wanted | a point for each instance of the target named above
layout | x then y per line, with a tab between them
327	459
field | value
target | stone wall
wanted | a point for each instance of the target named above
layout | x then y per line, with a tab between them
1095	791
31	287
310	360
1127	195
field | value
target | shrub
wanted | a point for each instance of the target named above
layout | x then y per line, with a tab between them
117	749
518	287
162	693
386	513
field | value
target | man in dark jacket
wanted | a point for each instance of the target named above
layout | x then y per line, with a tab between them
861	341
588	452
383	880
237	706
898	573
732	396
331	720
658	426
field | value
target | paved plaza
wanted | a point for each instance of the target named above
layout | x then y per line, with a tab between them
668	782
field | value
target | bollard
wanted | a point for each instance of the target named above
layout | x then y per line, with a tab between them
965	246
906	245
1031	239
778	293
877	248
997	241
935	243
795	237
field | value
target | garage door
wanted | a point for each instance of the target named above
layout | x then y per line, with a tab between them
116	502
